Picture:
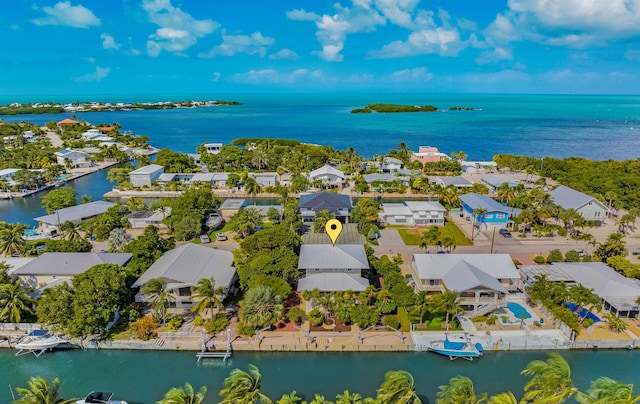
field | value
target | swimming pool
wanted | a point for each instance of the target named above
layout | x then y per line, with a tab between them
518	311
30	232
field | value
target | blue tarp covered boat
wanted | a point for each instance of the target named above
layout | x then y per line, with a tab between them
457	347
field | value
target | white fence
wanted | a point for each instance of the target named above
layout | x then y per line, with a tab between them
180	335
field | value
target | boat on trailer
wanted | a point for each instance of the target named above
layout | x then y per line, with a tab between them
37	342
457	347
99	397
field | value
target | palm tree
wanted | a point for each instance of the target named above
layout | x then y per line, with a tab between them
252	187
448	302
206	296
322	217
41	392
14	301
319	399
550	380
260	307
11	239
398	388
184	395
70	231
430	237
607	391
449	197
506	193
478	214
291	398
503	398
459	390
449	243
423	303
403	151
258	158
280	171
157	291
245	220
243	387
349	398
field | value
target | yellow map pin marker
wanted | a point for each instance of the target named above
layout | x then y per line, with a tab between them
333	229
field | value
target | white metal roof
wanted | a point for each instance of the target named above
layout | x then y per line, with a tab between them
74	213
439	266
149	169
189	263
326	170
333	282
70	264
327	256
569	198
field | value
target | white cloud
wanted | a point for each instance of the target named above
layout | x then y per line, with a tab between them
99	74
496	54
109	42
273	76
445	42
398	12
234	44
284	54
216	77
178	30
415	75
63	13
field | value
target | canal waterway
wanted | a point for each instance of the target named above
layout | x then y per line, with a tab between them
144	376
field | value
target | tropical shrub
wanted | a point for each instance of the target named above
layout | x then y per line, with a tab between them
316	317
539	259
218	324
391	321
175	322
295	314
555	256
145	328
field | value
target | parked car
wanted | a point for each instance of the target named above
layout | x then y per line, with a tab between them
204	239
582	253
505	233
221	237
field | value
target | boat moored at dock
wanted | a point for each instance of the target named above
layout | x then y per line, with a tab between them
38	342
457	347
99	397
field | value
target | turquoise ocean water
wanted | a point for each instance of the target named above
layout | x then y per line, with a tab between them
143	376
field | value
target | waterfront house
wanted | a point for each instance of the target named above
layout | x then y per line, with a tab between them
95	134
67	121
184	266
494	181
618	293
230	207
74	214
144	218
379	179
265	179
428	154
390	164
497	216
587	206
332	268
327	175
144	176
338	204
413	213
481	280
53	268
213	148
457	181
7	175
75	158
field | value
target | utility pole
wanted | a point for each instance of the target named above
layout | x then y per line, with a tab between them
493	237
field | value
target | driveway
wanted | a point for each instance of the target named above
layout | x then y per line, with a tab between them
390	238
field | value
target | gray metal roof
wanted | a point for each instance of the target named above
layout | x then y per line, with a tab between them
466	271
425	206
395	209
325	200
612	287
475	201
458	181
232	204
569	198
74	213
70	264
336	282
327	256
148	169
495	180
326	170
189	263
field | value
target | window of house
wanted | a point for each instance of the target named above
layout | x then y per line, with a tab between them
316	269
500	215
488	216
184	292
434	282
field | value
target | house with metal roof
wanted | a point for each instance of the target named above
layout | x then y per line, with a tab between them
76	158
74	214
618	293
496	216
184	266
144	218
494	181
457	181
338	204
230	207
414	213
143	176
587	206
481	280
374	178
54	268
332	268
328	175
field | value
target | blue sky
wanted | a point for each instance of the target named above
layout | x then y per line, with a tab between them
87	47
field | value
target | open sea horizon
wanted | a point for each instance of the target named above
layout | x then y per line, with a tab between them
598	127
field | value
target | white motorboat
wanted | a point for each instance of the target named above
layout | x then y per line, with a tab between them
99	397
37	342
213	221
457	347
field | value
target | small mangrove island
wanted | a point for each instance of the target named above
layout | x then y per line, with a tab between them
17	108
384	108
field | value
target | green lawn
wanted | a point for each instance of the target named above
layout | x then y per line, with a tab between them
412	236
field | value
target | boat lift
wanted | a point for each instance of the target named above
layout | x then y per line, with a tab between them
218	354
